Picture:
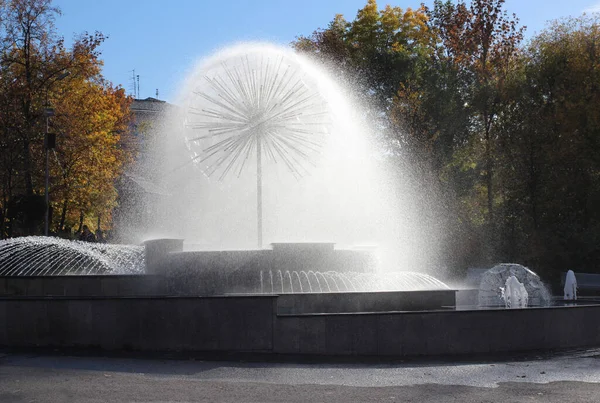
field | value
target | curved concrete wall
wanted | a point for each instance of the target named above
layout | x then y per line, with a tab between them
251	323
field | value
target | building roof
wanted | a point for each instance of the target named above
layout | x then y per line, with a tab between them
150	105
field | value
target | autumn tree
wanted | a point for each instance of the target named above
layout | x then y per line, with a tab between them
481	43
37	72
88	158
377	50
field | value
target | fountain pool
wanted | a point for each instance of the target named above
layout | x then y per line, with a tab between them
265	147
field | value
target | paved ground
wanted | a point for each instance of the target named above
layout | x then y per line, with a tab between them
571	378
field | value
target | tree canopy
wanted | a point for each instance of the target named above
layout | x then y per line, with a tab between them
38	74
508	129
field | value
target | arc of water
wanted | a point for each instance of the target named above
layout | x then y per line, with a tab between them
299	282
280	280
289	276
43	259
262	289
7	258
10	264
51	256
328	274
61	264
316	278
13	261
348	286
307	280
318	273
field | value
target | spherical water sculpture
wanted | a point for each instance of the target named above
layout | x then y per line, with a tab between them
252	118
253	105
260	103
494	281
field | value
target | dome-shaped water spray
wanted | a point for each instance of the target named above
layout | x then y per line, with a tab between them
260	103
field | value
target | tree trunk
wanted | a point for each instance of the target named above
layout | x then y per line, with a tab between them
80	221
63	215
533	184
489	168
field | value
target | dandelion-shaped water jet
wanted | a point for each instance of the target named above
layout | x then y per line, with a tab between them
261	104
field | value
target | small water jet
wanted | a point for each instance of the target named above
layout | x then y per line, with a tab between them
570	286
514	294
511	285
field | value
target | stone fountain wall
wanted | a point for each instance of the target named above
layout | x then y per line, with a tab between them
240	324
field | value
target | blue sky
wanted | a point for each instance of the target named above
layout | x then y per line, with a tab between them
162	40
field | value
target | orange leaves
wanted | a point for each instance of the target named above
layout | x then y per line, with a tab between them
37	72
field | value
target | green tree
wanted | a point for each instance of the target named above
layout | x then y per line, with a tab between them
481	44
378	50
552	141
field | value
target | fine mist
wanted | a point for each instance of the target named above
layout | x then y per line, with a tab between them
337	191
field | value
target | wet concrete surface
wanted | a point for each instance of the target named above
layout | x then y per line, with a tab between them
566	377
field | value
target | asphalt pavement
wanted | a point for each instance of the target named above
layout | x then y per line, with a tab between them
568	377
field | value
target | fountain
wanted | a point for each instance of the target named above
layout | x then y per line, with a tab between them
500	287
570	286
266	147
514	294
48	256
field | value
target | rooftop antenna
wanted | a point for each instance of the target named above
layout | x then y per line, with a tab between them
133	86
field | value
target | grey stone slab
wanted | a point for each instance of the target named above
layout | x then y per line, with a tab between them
523	328
232	323
289	331
57	313
172	327
364	332
33	286
460	330
15	286
104	325
20	326
153	324
339	334
80	322
389	334
110	286
187	327
54	286
205	324
3	322
39	311
416	334
313	334
259	324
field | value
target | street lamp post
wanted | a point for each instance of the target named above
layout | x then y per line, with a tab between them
49	140
49	143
